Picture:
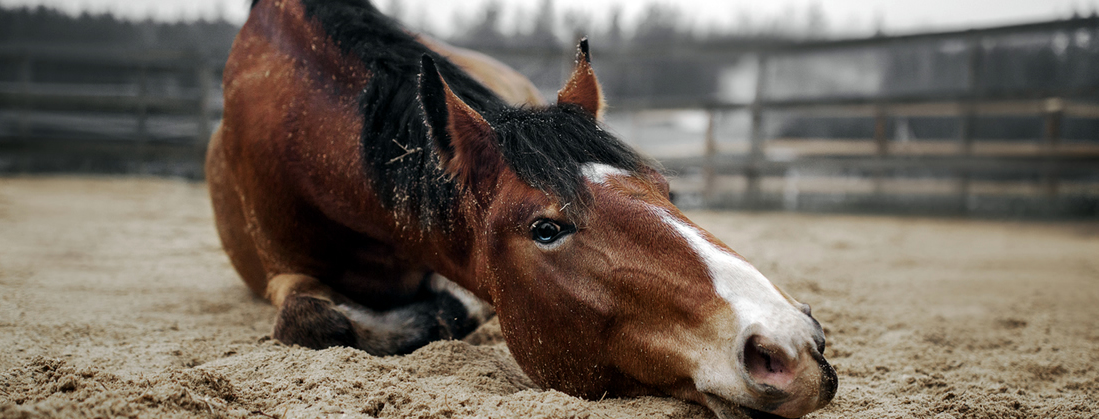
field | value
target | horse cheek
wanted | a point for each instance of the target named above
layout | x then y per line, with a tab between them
541	325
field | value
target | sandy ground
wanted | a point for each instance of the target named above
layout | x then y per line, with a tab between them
116	300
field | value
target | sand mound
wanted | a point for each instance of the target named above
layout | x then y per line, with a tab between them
116	300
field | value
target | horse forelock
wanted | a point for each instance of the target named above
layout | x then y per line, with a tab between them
546	147
550	149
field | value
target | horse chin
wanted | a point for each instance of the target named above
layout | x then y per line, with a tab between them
725	409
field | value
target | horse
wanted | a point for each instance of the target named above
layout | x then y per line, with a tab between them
381	197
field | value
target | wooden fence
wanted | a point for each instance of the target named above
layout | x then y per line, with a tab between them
119	120
963	159
1066	175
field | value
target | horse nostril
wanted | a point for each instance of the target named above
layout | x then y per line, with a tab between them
766	364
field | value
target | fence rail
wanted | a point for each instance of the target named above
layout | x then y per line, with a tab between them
1050	161
104	102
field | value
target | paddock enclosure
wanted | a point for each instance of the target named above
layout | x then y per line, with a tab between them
117	300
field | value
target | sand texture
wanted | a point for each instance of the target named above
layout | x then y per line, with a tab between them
117	301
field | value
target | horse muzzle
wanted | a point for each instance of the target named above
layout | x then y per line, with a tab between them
798	398
766	375
784	382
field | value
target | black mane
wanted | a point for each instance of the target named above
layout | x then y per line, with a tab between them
546	147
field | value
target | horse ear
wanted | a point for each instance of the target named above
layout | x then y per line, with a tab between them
583	89
463	139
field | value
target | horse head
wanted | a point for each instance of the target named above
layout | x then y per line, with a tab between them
602	286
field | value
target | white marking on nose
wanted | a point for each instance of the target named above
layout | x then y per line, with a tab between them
732	276
753	297
598	172
758	307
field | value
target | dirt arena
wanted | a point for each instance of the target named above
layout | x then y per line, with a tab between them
116	300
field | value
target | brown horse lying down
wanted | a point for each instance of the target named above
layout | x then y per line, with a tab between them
355	168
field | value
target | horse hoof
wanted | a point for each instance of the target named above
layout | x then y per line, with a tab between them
457	312
312	323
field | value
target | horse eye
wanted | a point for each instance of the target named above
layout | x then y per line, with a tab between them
546	231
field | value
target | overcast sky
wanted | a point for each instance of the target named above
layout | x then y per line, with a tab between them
845	16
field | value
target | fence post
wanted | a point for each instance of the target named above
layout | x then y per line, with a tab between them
881	149
26	76
1054	108
205	84
709	174
968	117
142	115
753	194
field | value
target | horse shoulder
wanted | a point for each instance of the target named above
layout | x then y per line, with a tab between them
289	144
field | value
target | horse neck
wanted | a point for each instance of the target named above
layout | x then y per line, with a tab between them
285	26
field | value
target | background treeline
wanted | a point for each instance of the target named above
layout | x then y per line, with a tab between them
44	26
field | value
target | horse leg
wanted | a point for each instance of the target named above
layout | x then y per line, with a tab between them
307	314
313	315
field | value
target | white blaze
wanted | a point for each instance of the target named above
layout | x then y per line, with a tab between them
758	305
736	281
598	172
